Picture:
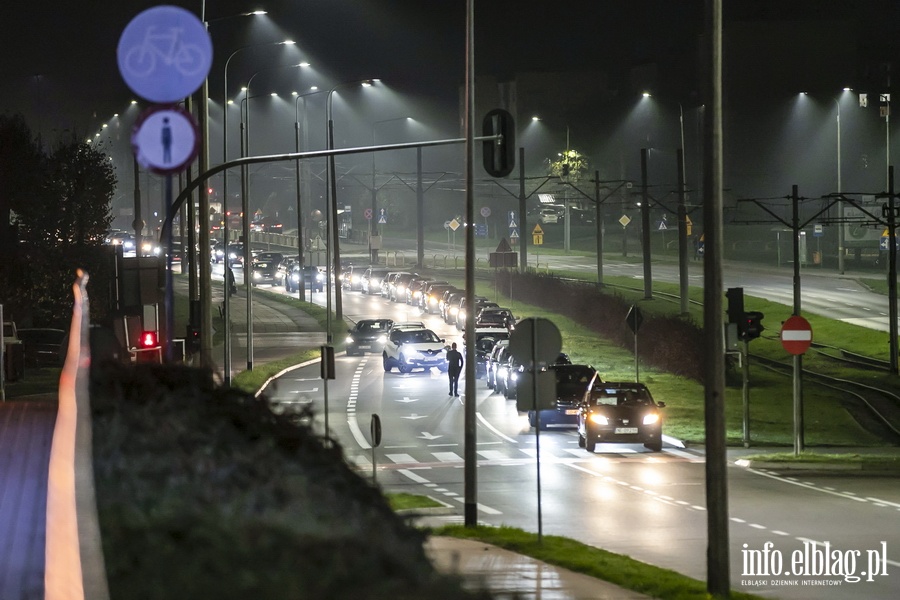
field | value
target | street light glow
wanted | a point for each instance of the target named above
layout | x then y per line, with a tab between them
535	118
646	94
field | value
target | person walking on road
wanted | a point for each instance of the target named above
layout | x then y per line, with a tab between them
454	368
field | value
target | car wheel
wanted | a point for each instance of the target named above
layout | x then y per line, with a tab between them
590	446
581	441
443	368
404	368
386	363
655	445
531	419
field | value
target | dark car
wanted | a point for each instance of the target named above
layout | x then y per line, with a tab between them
351	277
313	278
42	346
369	335
371	280
619	412
235	252
492	363
571	384
495	317
398	287
264	267
282	273
414	289
485	340
431	301
450	306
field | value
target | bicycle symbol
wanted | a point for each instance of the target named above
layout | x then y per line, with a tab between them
167	46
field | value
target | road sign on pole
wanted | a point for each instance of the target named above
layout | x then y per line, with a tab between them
796	335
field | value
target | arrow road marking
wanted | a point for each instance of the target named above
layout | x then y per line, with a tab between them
414	417
406	399
429	436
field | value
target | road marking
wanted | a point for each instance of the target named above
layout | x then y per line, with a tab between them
416	478
447	456
400	458
494	430
794	481
493	455
353	424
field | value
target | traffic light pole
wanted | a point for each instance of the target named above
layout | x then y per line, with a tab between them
798	358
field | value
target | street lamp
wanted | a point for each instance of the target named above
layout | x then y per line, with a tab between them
333	212
313	90
225	233
373	224
840	203
245	206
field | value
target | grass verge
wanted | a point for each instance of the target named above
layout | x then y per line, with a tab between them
874	461
615	568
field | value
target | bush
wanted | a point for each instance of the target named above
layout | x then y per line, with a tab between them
202	491
672	344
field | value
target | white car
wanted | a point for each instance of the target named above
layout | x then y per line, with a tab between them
408	349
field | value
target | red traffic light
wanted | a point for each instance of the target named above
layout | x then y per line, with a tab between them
149	339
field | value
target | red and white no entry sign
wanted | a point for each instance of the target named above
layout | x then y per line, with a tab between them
796	335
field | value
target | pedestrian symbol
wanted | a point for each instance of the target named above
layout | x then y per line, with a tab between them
382	216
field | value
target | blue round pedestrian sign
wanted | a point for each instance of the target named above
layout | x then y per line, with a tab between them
165	139
164	54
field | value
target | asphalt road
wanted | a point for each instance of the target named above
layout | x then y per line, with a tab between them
623	498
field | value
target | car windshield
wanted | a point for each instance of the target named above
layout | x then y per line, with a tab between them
621	397
421	336
372	326
573	379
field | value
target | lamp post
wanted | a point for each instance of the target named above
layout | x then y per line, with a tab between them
840	203
373	222
245	205
333	255
225	233
313	91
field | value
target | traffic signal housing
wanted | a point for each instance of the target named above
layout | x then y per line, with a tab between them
148	339
499	156
735	306
753	326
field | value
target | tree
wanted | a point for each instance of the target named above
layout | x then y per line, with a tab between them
570	167
20	168
61	215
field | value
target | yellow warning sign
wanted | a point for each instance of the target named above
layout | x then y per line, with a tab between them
538	239
537	230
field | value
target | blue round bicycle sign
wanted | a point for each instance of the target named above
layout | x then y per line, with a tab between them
164	54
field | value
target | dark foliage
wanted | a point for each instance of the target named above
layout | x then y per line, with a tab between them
672	344
203	492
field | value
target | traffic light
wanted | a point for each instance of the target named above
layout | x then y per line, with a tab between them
753	327
499	155
193	339
736	307
326	366
148	339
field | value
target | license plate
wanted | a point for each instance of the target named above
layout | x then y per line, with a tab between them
572	411
364	346
626	430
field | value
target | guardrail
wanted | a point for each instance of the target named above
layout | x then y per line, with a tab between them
74	567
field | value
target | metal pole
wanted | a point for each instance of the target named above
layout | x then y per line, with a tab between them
300	283
840	204
335	229
892	270
245	226
471	481
745	392
169	298
535	370
420	212
599	229
684	288
523	247
798	359
717	551
645	228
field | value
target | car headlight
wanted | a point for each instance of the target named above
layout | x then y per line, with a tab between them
349	339
320	277
501	372
414	355
454	311
651	418
599	419
381	339
416	294
257	275
295	278
354	279
401	289
514	376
